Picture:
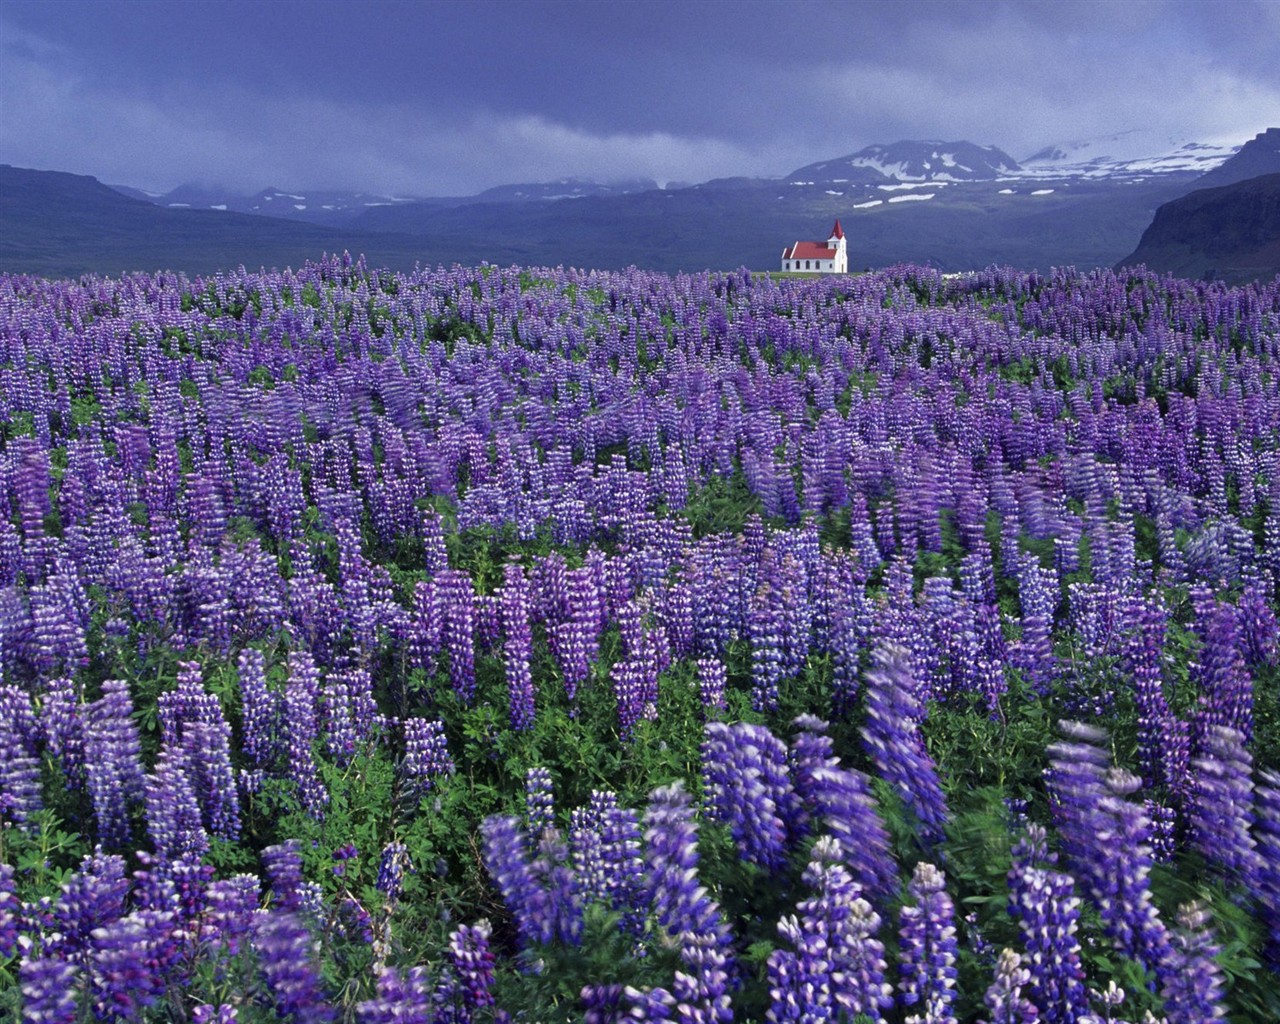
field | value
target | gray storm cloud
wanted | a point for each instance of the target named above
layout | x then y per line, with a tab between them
1017	76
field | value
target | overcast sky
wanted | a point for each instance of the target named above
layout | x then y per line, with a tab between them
448	98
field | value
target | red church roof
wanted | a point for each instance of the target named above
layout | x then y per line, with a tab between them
809	251
837	231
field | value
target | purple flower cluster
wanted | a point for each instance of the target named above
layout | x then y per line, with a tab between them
426	753
893	740
928	949
838	967
1048	913
236	469
747	785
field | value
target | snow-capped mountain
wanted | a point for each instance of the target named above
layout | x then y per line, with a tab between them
910	162
1126	155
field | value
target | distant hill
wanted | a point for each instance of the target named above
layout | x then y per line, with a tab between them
910	162
564	188
63	225
1259	156
1230	233
330	207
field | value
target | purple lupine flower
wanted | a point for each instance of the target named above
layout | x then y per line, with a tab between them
185	703
607	863
795	614
391	869
711	684
838	967
506	855
63	724
301	699
892	739
283	866
230	905
702	992
648	1006
194	728
841	800
261	710
1107	841
517	647
1259	630
51	990
347	712
1038	589
928	949
676	614
174	885
426	622
1226	686
11	916
1267	884
586	854
426	754
92	898
670	835
1003	999
401	999
554	876
473	965
848	638
540	810
1194	983
602	1004
575	641
458	600
173	812
1220	806
747	786
285	950
1163	740
113	761
1164	827
765	629
130	962
59	616
629	678
19	765
207	1013
1048	913
685	911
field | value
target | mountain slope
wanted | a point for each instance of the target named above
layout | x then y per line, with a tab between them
911	161
59	224
1126	156
1231	233
1260	155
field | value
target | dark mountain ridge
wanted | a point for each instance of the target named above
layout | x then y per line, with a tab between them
63	225
1260	155
1229	233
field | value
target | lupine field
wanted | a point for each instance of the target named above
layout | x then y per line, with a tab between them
533	645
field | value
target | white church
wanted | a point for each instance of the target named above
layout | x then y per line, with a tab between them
827	257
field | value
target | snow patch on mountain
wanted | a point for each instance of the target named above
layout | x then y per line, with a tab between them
924	162
1127	154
